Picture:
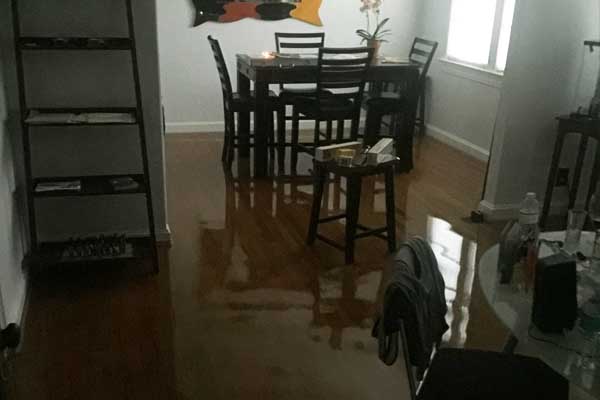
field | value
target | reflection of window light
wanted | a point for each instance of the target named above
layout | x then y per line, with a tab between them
442	237
454	255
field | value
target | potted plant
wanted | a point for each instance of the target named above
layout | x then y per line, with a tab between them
371	8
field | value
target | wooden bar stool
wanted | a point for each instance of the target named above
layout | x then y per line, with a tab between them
354	176
587	128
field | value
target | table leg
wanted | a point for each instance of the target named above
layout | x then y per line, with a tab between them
261	113
390	209
353	190
243	88
583	141
552	177
594	177
319	185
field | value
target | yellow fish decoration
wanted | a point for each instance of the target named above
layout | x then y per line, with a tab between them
308	11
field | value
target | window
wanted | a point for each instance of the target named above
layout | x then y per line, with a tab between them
480	32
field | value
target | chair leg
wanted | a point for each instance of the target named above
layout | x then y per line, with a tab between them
271	136
281	138
295	134
317	133
319	184
353	189
390	209
422	112
340	131
354	127
329	132
226	139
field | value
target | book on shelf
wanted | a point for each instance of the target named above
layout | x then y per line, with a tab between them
58	186
38	117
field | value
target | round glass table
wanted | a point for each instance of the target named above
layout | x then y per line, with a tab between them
513	308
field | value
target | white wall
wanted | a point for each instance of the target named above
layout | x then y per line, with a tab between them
190	85
12	277
539	84
93	79
461	102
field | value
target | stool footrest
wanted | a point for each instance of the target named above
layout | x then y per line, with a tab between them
378	232
332	218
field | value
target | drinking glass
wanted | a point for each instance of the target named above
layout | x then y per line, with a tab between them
575	224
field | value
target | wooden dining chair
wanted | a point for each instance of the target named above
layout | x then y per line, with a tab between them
234	103
389	99
341	77
295	43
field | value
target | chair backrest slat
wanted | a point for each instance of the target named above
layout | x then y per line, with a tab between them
223	72
304	41
307	45
342	73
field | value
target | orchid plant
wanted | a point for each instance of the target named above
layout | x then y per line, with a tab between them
372	9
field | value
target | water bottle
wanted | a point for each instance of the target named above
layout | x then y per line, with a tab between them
529	216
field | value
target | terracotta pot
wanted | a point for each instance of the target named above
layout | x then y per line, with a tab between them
375	45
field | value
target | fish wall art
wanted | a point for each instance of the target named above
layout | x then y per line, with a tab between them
268	10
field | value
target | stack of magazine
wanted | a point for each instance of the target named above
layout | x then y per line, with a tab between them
124	184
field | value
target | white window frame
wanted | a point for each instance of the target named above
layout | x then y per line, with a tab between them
493	54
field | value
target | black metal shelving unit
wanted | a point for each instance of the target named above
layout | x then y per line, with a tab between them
97	185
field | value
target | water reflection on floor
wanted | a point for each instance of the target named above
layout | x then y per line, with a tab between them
243	309
266	316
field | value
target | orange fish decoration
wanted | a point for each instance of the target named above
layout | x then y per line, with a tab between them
234	10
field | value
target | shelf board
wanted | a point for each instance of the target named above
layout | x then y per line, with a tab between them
97	185
49	253
74	43
82	110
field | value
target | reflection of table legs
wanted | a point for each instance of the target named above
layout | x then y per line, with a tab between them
390	210
261	115
353	189
243	117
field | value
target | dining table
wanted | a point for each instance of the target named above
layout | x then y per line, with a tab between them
269	69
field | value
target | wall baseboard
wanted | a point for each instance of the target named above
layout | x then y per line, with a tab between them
498	212
195	127
458	143
504	212
218	126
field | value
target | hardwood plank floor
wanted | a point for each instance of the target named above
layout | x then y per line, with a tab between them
242	308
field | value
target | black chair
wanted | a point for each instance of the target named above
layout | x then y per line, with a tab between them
458	374
295	43
388	99
341	78
233	103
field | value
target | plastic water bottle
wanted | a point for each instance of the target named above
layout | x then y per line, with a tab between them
529	216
